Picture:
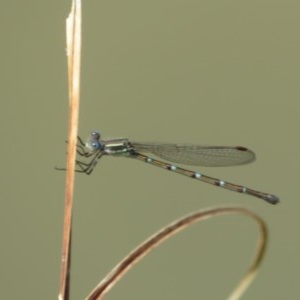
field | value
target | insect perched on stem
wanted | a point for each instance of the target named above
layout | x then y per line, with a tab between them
197	155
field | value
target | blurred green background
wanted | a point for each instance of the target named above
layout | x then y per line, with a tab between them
208	72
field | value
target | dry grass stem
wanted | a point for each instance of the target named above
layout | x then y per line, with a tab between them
142	250
73	26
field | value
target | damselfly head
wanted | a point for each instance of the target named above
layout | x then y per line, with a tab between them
93	143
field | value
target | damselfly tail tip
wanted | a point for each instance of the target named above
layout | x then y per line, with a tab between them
272	199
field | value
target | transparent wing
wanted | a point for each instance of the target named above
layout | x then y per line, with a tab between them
196	155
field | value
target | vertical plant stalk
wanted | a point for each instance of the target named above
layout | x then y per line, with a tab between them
73	35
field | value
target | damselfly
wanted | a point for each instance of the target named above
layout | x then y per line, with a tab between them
196	155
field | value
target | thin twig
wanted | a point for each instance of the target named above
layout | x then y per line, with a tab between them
136	255
73	27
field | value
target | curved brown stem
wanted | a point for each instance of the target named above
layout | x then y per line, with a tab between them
136	255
